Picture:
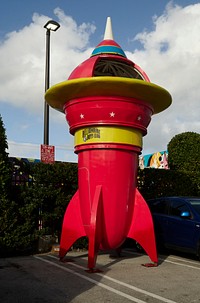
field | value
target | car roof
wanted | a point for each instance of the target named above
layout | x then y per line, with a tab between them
175	198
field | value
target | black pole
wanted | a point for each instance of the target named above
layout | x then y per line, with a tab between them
46	106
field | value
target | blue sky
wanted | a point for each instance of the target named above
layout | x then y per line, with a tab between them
160	36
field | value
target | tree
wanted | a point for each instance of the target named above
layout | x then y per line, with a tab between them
5	172
184	152
7	208
3	140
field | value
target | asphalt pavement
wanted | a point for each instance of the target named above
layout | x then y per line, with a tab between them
43	278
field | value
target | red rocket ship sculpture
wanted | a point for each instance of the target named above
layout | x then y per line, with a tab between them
108	101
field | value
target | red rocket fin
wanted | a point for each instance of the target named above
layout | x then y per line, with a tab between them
142	228
72	228
95	234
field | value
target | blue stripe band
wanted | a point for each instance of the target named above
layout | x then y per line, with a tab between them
108	49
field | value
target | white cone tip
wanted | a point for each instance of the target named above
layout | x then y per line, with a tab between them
108	35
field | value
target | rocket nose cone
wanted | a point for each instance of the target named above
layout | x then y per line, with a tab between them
108	35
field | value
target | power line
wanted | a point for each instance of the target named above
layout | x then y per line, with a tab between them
36	146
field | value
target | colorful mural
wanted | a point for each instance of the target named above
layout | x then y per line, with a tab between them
156	160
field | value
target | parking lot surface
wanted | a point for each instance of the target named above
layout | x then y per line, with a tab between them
43	278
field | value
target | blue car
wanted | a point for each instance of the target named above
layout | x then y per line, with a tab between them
177	223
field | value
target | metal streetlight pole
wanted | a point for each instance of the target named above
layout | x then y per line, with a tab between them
51	25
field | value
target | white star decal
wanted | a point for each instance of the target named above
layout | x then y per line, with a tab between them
81	116
139	118
112	115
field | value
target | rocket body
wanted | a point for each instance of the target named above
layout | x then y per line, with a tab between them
118	191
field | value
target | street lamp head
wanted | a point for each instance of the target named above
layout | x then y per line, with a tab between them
52	25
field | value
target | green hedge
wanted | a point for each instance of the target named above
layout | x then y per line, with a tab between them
159	182
47	196
44	199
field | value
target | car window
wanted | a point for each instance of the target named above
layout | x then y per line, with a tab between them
159	206
177	207
196	204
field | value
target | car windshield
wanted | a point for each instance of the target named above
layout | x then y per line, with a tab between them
196	204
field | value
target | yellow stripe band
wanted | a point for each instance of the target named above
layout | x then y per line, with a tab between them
108	134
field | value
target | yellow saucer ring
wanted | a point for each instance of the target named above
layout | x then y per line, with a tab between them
156	96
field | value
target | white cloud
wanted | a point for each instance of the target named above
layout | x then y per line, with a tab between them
22	59
170	57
